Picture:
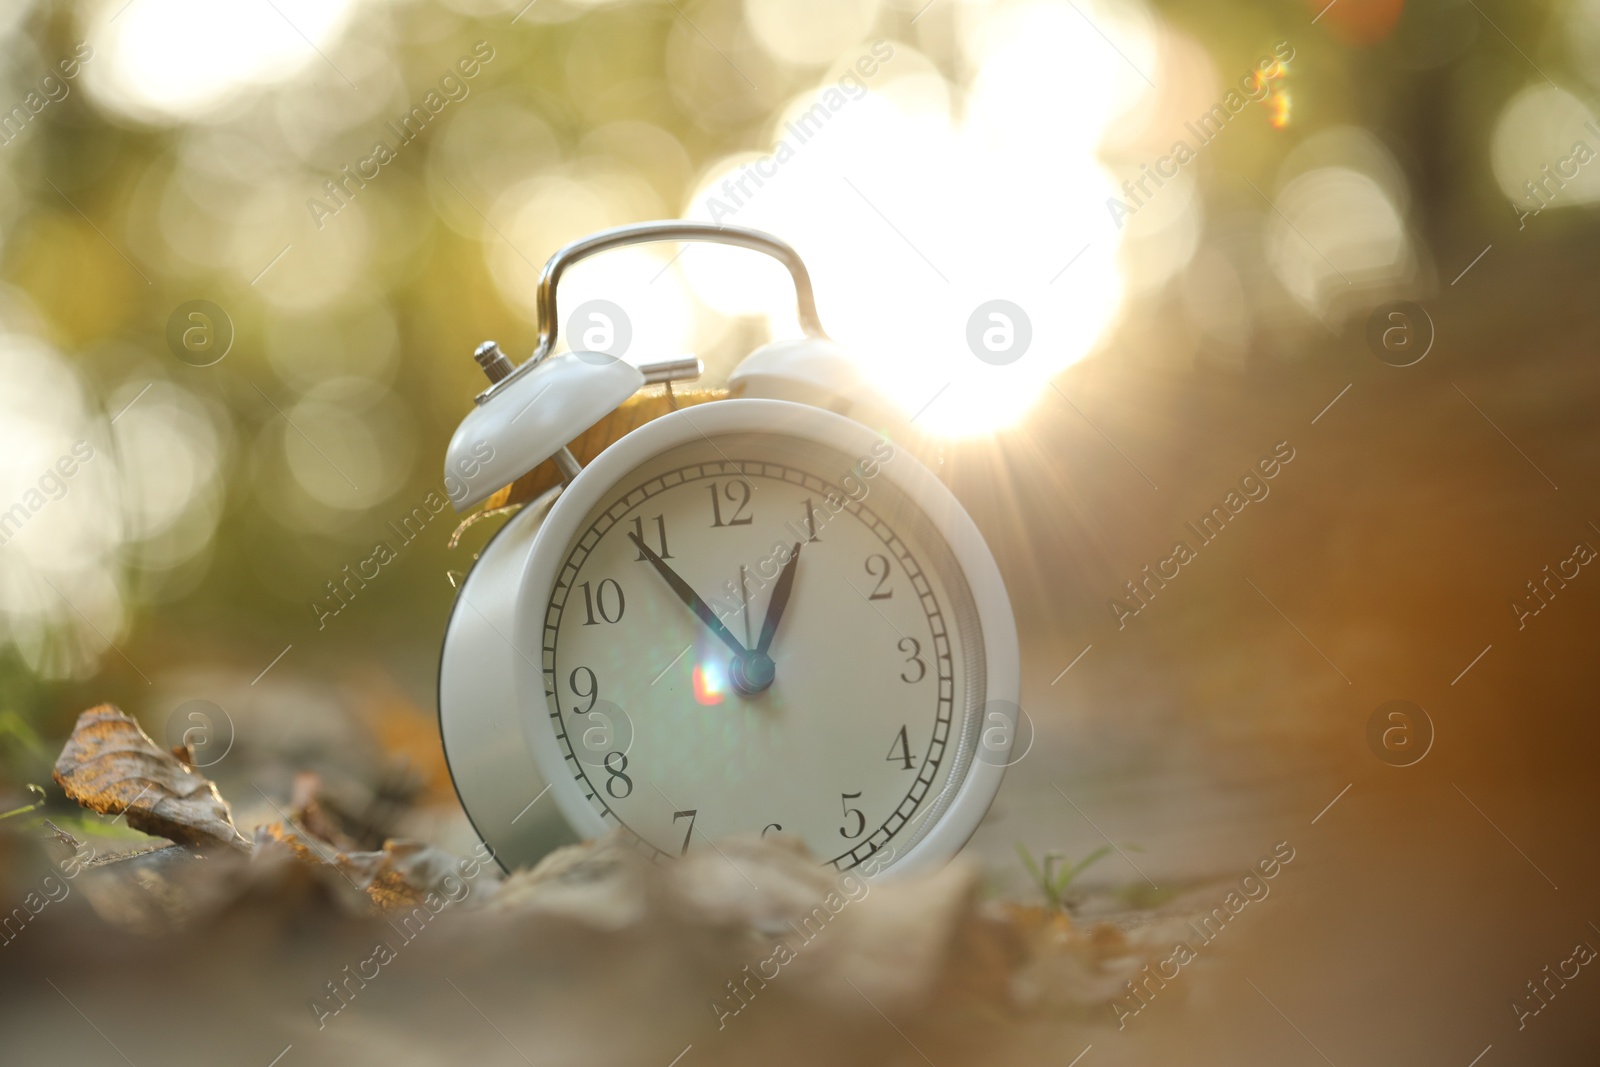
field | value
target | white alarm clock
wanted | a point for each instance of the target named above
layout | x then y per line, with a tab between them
753	615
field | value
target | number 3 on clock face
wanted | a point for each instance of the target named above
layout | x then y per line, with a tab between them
796	625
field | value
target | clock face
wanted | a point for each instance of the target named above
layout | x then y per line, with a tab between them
755	633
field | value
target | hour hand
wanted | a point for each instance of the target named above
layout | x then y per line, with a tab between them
690	597
780	600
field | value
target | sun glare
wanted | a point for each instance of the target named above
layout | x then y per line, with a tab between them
859	172
861	175
175	60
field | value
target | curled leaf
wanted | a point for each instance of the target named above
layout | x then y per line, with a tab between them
111	766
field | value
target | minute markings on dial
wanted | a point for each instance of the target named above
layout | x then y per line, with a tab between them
626	504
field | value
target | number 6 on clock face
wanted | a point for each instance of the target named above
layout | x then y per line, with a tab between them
754	617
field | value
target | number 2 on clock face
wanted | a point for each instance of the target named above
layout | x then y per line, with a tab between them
792	658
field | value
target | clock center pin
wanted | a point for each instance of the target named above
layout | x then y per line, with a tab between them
752	674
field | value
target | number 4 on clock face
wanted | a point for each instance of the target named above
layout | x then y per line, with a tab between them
903	756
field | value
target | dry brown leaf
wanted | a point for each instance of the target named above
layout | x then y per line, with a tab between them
629	415
402	875
62	838
1036	924
111	766
305	808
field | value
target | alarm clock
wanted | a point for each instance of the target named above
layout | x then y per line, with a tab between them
750	615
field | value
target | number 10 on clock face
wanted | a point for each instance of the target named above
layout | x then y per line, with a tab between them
758	633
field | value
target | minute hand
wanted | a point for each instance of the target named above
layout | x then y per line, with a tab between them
691	598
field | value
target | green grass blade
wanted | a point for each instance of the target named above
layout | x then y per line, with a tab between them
1033	868
1082	865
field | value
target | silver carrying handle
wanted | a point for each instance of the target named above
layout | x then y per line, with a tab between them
646	233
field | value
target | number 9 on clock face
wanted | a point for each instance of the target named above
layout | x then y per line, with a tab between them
760	618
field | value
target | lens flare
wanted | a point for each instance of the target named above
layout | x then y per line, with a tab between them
710	680
1279	102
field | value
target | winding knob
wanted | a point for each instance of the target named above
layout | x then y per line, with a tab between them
493	361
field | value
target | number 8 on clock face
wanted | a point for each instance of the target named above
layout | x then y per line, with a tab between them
758	617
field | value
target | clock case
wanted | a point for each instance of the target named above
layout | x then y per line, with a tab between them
489	670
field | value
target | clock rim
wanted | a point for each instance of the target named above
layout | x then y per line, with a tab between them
477	702
780	418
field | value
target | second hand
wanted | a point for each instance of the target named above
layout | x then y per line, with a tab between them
744	597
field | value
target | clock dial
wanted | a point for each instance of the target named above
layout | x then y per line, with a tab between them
753	633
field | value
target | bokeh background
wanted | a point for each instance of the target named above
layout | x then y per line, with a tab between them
1436	152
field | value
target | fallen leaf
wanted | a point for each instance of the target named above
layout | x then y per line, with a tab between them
901	945
401	875
305	808
406	873
61	837
111	766
150	891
